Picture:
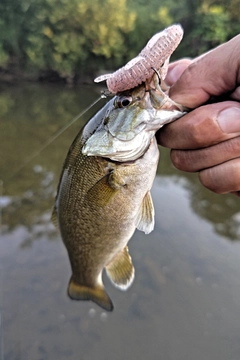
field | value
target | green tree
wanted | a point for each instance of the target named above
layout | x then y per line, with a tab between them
66	35
82	36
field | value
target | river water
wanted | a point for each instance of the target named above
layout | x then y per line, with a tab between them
185	300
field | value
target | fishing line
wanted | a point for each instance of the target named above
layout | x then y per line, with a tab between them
1	339
26	162
1	194
1	207
1	325
55	136
43	147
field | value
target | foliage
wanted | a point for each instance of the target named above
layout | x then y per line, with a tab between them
84	36
76	33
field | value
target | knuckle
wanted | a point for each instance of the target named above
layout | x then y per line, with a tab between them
196	129
233	146
208	179
223	178
202	128
176	158
182	160
235	175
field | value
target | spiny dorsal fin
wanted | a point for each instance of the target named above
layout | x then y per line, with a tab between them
145	220
121	270
97	294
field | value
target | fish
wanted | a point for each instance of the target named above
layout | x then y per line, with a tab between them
104	194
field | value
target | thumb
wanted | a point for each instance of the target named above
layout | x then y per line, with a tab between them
213	74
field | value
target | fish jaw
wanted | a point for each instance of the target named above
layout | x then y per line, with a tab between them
110	140
124	134
105	145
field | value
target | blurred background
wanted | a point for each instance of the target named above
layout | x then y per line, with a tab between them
185	301
75	39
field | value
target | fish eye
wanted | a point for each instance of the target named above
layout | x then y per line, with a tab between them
124	101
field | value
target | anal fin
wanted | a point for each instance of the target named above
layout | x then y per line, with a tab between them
121	270
96	294
145	220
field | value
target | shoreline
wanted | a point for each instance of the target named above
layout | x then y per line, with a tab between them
48	76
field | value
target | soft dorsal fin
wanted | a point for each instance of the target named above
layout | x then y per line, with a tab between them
145	219
121	270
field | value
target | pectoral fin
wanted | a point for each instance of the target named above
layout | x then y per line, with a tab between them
101	193
121	270
96	294
145	220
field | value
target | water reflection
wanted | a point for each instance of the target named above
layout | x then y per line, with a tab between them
30	115
184	303
223	211
34	114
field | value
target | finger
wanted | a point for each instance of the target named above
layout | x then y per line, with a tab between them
236	193
175	70
235	95
223	178
196	160
204	126
210	75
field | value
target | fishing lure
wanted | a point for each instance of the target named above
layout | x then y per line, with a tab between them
155	55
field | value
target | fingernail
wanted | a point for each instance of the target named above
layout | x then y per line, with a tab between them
229	120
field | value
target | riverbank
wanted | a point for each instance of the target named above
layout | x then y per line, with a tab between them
12	76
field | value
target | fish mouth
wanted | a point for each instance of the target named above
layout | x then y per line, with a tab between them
107	146
128	158
142	121
127	143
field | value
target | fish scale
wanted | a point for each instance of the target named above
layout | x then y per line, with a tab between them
104	190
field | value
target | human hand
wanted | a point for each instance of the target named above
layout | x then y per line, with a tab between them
207	139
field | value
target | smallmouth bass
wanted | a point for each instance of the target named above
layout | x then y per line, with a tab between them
104	190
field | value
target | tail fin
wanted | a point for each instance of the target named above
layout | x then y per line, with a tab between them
96	294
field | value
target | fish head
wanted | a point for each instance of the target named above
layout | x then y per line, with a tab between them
131	120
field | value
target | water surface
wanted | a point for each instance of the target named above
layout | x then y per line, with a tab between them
185	301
